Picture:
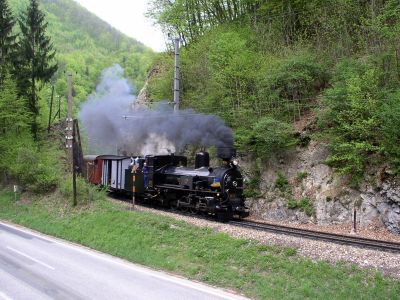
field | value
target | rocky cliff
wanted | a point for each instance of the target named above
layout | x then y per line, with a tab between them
315	193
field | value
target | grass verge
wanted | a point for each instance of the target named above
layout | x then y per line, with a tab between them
259	271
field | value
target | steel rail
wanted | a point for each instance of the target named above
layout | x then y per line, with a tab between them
318	235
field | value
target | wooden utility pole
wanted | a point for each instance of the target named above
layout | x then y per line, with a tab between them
74	158
51	108
78	144
69	128
59	108
77	157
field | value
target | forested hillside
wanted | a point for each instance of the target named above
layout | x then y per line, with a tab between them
86	45
41	42
266	66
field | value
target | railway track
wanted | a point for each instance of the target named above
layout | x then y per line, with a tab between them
298	232
318	235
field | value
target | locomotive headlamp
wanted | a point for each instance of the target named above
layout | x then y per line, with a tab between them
235	162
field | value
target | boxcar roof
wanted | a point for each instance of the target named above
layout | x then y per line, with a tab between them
90	157
113	157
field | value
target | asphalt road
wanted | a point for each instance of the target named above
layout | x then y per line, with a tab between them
34	266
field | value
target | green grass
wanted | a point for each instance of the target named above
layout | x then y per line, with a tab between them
259	271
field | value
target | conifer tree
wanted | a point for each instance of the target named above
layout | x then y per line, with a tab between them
36	64
7	39
14	116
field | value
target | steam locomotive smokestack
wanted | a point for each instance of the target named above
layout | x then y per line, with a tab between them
202	160
144	131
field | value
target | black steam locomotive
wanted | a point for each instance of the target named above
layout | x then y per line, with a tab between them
166	180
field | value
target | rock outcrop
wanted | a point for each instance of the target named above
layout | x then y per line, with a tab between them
376	201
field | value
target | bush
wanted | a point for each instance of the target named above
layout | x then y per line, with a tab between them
292	203
390	120
38	168
304	204
86	192
286	86
307	206
301	175
282	183
352	117
297	76
270	136
35	168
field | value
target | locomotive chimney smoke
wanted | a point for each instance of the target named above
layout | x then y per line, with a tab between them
158	130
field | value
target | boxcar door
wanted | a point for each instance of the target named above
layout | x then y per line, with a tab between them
114	174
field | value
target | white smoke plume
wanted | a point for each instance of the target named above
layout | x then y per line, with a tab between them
114	123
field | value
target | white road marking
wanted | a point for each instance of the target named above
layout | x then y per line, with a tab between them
31	258
4	296
202	287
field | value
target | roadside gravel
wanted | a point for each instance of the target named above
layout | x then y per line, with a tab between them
388	263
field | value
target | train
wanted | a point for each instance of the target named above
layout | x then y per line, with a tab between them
167	180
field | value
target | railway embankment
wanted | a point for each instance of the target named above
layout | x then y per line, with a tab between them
220	255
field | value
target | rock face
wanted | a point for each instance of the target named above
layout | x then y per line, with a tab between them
389	208
309	177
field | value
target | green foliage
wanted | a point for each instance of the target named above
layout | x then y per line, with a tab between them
86	192
390	119
198	16
39	168
304	204
282	183
34	58
36	169
270	136
301	175
357	114
14	116
7	39
287	85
